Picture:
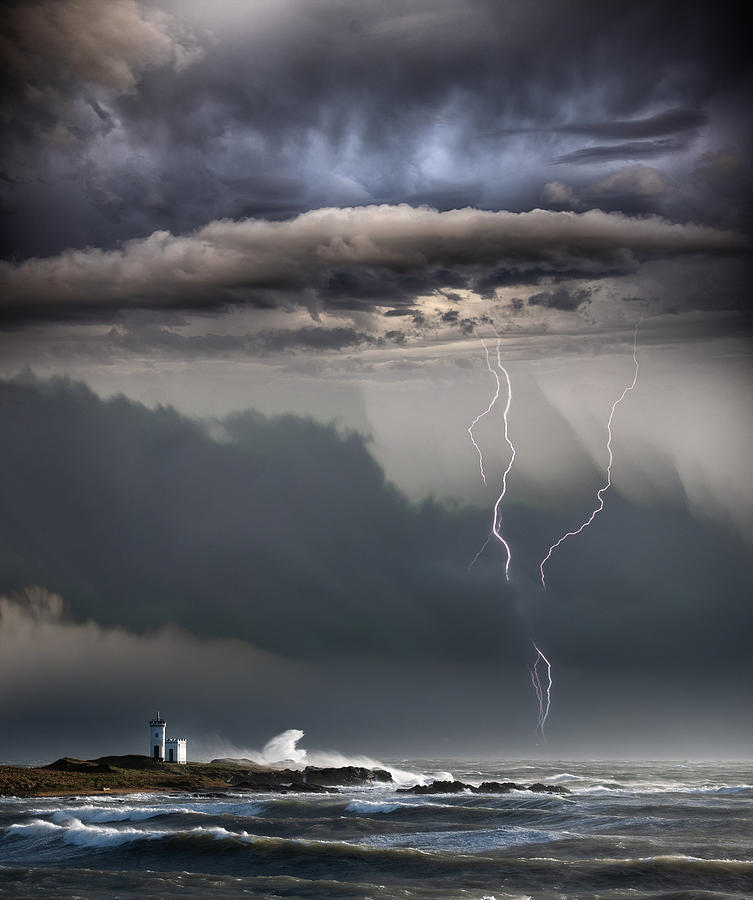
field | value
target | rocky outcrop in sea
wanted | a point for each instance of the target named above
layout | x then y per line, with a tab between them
486	787
311	780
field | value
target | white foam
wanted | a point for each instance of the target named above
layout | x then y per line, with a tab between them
653	787
131	813
95	814
441	776
219	833
622	860
283	751
375	806
73	831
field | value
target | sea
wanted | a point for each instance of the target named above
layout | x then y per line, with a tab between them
626	831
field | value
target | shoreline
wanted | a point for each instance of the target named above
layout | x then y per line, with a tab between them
119	775
132	774
68	777
96	792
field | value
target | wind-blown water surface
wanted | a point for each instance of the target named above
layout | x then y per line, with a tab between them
626	830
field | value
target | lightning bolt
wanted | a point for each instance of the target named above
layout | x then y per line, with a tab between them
488	409
543	694
496	529
602	490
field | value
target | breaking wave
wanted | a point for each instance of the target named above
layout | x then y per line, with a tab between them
283	750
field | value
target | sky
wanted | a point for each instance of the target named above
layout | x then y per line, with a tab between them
252	256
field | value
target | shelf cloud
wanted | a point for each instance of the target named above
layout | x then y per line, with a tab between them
269	263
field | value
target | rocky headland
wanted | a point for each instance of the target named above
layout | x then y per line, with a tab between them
129	774
124	774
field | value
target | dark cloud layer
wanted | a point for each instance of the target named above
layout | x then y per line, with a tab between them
126	118
562	298
147	338
348	259
282	532
285	534
668	122
671	121
630	150
170	156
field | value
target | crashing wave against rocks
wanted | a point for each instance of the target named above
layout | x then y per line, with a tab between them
312	779
217	778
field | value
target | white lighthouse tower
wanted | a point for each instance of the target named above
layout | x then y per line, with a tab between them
157	739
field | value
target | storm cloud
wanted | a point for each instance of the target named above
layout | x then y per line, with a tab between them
248	260
277	546
562	298
670	121
90	41
150	339
280	531
630	150
163	117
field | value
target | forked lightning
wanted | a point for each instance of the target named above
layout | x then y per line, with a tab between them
602	490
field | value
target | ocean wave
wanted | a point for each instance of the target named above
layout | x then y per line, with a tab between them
647	788
200	841
88	835
283	750
419	806
94	814
684	858
664	859
731	789
467	841
374	806
74	831
103	814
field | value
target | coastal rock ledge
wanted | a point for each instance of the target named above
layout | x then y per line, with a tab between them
486	787
312	779
134	773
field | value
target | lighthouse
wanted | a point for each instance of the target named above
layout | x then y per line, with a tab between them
157	739
160	750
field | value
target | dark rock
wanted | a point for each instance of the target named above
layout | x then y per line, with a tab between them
283	787
437	787
311	780
129	761
345	776
307	788
265	779
548	788
69	764
498	787
486	787
277	780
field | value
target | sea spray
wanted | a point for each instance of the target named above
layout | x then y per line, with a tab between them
282	751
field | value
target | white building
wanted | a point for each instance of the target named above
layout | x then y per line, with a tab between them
175	750
165	750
